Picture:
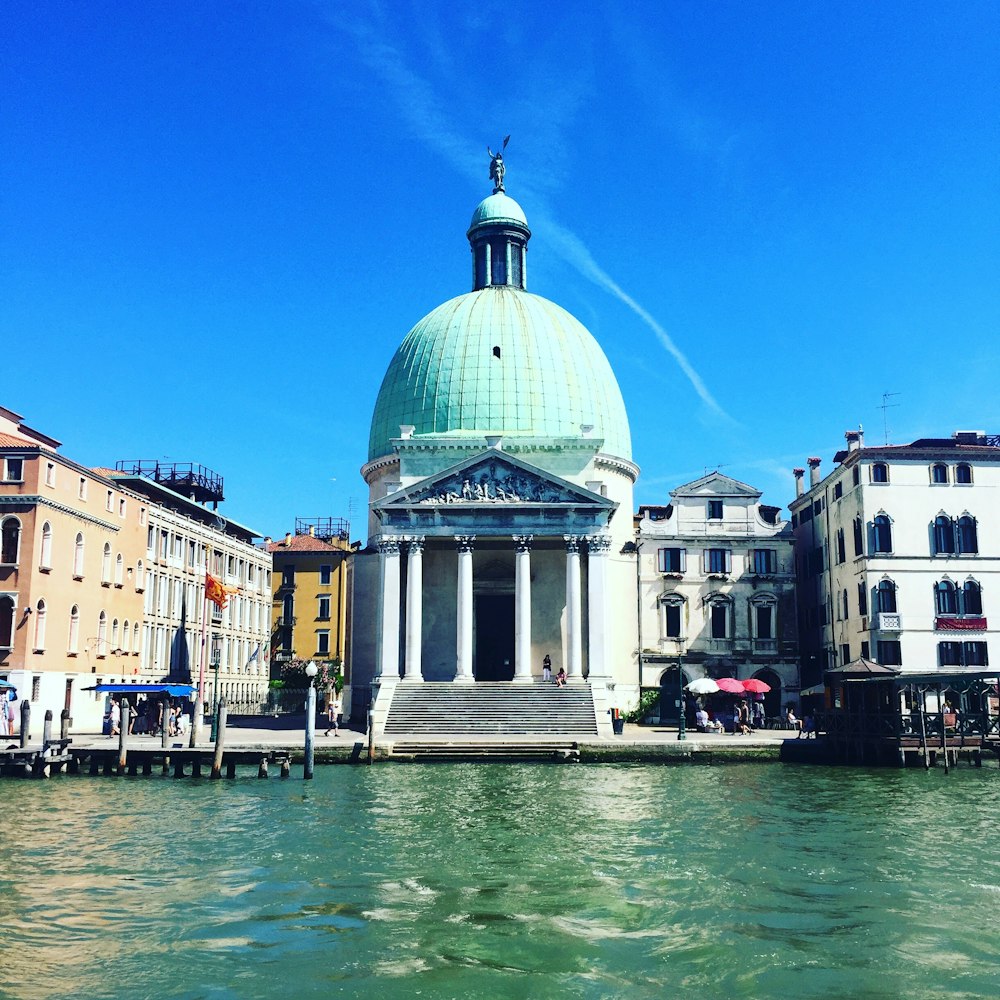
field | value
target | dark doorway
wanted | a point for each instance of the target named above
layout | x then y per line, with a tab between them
495	637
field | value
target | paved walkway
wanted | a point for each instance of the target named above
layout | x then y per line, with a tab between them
238	738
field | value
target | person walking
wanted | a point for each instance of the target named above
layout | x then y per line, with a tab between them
116	718
333	707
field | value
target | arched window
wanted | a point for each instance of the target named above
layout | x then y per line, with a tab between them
880	472
882	533
6	622
78	556
841	547
106	565
939	473
73	642
845	607
135	637
126	636
945	598
40	626
115	637
119	570
885	596
944	535
45	558
672	616
10	541
859	537
862	598
972	598
102	634
963	473
968	536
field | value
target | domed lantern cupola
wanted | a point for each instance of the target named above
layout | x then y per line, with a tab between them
499	235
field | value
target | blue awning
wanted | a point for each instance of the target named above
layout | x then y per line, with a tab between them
174	690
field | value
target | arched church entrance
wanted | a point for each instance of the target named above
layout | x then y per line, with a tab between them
772	699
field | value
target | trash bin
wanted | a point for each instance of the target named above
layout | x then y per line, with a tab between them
617	722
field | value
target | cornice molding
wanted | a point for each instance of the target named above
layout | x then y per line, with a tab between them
40	501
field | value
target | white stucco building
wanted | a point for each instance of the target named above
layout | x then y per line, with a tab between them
898	555
717	591
185	538
500	482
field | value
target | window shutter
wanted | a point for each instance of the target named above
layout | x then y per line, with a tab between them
706	560
729	560
661	560
683	560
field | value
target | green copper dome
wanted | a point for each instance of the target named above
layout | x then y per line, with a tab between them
498	208
500	360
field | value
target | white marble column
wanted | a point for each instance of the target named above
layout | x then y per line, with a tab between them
414	608
522	608
598	547
574	623
388	652
463	670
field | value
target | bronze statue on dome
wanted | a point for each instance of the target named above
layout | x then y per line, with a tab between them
497	168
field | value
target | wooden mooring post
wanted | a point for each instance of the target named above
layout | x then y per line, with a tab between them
64	724
25	722
126	714
220	738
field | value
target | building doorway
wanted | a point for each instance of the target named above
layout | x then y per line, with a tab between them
772	699
494	653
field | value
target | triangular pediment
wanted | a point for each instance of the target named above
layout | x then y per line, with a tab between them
715	484
491	479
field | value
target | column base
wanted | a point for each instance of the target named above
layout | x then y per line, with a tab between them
415	679
524	679
464	679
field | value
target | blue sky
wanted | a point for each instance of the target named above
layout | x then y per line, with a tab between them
220	219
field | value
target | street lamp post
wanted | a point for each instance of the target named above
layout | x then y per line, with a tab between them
682	721
311	671
216	657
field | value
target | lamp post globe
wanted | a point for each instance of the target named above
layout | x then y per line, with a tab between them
311	671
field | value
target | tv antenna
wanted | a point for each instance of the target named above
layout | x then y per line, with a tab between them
886	405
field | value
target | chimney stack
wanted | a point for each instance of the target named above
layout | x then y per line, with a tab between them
853	440
288	538
800	487
814	476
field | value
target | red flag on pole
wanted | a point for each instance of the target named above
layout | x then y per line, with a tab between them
215	592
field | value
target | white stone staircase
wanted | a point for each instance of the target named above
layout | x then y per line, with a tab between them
487	713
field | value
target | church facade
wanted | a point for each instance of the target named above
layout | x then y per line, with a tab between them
500	495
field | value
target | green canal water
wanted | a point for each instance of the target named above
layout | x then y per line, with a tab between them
505	881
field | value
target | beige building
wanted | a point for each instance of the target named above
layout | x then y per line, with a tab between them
71	575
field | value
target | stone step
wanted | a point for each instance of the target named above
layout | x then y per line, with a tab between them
490	709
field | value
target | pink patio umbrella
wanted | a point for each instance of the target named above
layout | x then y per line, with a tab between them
730	685
756	686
